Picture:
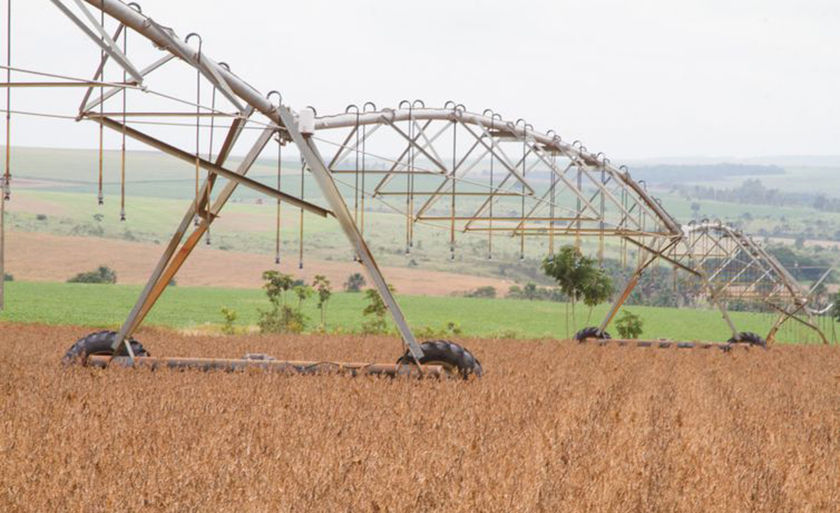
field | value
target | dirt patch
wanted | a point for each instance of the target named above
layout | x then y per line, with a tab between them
551	427
45	257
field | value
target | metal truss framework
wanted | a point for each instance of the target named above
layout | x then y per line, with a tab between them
435	160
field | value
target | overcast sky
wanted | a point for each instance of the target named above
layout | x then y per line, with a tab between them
634	79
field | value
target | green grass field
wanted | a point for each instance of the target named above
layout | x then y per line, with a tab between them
199	308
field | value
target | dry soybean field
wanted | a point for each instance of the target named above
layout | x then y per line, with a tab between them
551	427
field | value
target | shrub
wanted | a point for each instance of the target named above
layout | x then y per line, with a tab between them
375	312
103	274
230	316
8	277
282	318
629	325
485	292
578	278
354	283
323	287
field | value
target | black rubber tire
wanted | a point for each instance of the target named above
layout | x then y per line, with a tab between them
451	355
594	332
748	337
99	343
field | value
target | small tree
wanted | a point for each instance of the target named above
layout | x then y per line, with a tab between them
281	318
230	316
354	283
695	209
276	285
303	292
529	291
324	289
629	325
375	312
598	290
573	273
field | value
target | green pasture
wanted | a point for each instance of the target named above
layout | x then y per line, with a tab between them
198	308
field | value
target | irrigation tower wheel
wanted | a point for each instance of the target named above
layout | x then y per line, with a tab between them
99	344
594	332
748	337
455	359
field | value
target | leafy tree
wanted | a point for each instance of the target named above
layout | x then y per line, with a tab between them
578	277
303	292
276	285
629	325
375	312
354	283
596	291
324	289
529	291
695	209
103	274
230	316
281	318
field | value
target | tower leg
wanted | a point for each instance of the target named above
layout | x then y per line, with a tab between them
322	175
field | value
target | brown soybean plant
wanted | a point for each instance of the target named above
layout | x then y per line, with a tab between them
552	426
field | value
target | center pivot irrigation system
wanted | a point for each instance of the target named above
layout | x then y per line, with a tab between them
444	168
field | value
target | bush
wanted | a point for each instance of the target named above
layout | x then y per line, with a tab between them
629	325
230	316
8	277
324	288
484	292
282	318
354	283
103	274
375	312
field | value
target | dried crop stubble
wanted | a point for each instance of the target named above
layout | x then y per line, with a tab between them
552	427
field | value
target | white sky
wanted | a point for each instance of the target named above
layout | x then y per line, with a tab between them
634	79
